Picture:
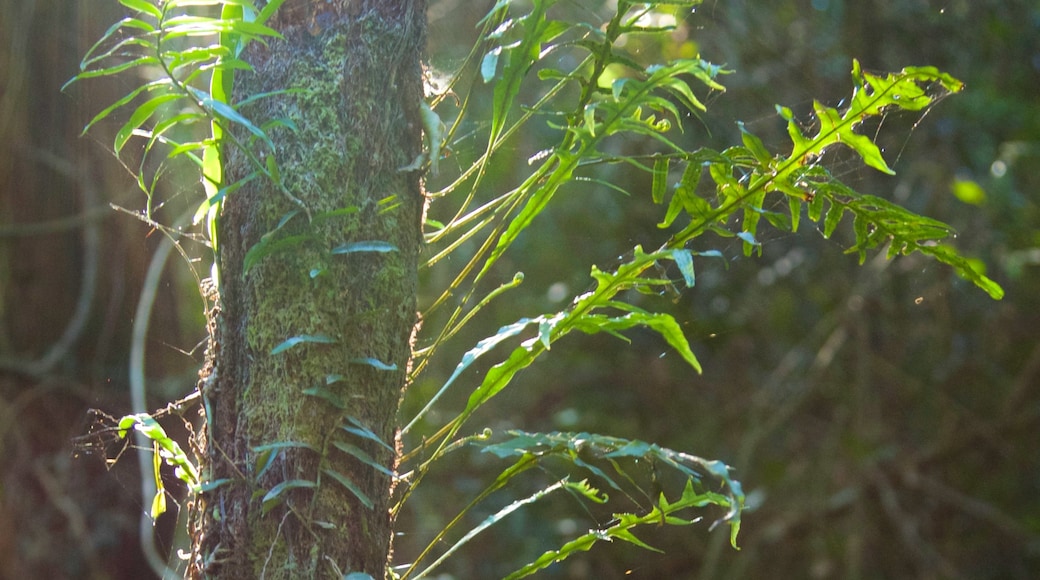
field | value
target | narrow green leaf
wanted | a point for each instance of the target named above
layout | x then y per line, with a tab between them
115	69
795	206
143	6
374	363
494	519
350	486
159	501
327	395
686	198
371	246
830	223
124	100
139	117
755	145
964	269
660	183
302	339
664	324
273	497
361	430
268	246
363	457
208	486
283	445
268	10
272	169
225	111
482	348
498	377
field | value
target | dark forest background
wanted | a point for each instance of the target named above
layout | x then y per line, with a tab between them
883	418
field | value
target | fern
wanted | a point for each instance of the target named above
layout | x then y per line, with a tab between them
650	102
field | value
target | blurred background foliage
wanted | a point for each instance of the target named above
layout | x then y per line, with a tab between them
882	418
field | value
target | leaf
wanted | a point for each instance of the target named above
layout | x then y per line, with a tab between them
143	6
664	324
273	497
283	445
499	376
159	501
160	83
839	130
225	111
139	117
372	246
363	457
350	486
322	392
482	348
118	68
208	486
361	430
268	10
266	455
302	339
684	261
272	169
964	269
686	199
755	145
494	519
270	245
625	522
374	363
749	239
489	64
660	183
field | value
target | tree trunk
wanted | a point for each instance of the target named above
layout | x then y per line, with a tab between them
356	74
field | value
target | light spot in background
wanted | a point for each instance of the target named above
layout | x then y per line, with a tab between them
821	5
568	417
998	169
557	292
855	303
766	276
719	304
968	191
567	527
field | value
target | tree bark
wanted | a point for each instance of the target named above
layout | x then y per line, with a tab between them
354	67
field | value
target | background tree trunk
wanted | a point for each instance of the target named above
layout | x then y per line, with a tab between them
357	65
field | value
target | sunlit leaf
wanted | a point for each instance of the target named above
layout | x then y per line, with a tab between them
144	6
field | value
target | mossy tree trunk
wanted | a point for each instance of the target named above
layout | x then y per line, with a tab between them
356	69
